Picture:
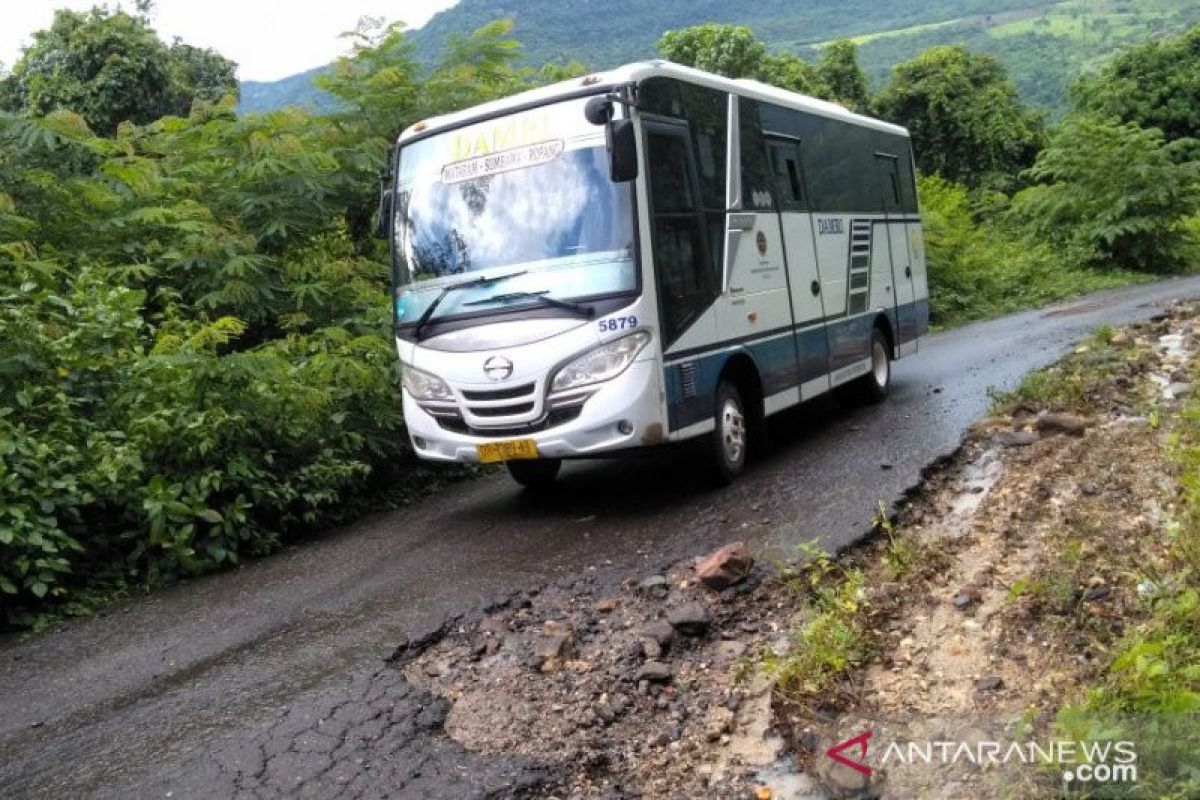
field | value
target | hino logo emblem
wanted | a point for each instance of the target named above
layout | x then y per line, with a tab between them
498	368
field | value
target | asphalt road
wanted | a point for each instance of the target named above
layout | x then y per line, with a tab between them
271	680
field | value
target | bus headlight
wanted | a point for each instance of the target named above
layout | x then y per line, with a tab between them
602	364
422	385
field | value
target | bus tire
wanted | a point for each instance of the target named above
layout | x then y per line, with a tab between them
729	436
535	473
874	386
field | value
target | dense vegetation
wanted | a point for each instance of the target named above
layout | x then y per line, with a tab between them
195	357
109	67
195	360
1043	44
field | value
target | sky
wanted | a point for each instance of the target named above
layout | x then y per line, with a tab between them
269	39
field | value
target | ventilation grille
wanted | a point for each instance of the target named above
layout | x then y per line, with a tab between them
687	372
860	265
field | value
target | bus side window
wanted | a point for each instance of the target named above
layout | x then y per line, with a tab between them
758	181
681	257
785	161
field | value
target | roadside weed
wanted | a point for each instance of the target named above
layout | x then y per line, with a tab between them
823	647
902	553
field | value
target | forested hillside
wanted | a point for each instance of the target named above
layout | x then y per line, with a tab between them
295	90
1042	44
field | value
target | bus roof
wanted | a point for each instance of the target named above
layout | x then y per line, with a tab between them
639	71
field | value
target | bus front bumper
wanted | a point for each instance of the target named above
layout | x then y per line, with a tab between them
624	413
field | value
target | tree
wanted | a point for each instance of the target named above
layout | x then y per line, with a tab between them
109	67
733	51
1156	85
967	122
196	357
1114	193
10	99
199	73
840	72
382	91
729	50
793	73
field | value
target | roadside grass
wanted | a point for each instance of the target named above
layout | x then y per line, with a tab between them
1144	686
1071	384
902	554
833	635
831	639
1148	689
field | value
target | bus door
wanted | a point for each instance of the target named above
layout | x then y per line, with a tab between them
806	286
755	302
887	168
686	277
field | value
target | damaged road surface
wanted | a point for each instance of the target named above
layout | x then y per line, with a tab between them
274	680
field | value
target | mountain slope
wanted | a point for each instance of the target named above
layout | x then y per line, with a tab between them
606	32
294	90
1044	43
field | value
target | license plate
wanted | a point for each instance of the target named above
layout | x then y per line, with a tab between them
509	450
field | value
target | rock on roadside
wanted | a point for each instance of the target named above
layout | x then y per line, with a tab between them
690	619
1070	424
725	566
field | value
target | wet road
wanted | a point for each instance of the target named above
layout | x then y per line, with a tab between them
271	680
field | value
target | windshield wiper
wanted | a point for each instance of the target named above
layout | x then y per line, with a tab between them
541	297
483	281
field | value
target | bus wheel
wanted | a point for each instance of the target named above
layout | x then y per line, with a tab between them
729	436
535	474
875	383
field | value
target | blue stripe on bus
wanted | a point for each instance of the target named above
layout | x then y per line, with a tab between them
822	349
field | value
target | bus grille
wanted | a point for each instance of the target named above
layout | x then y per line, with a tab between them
508	401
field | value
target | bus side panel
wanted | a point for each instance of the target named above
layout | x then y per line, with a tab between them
849	342
690	387
918	317
833	248
916	238
692	383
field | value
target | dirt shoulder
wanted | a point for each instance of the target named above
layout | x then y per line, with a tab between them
995	602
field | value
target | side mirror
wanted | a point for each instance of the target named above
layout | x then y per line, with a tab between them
598	110
620	137
384	225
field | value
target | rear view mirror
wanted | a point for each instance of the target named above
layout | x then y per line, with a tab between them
384	226
386	175
619	137
598	110
622	150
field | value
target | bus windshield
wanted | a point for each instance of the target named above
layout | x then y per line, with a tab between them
526	198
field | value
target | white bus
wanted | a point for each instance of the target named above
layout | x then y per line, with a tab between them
645	256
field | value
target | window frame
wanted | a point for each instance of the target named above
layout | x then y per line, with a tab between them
777	142
679	129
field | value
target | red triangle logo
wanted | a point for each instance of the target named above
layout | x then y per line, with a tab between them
859	742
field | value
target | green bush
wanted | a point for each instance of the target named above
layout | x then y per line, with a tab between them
981	265
1114	193
196	358
159	451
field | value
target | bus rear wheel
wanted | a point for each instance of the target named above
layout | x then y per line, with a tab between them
535	474
875	384
729	437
